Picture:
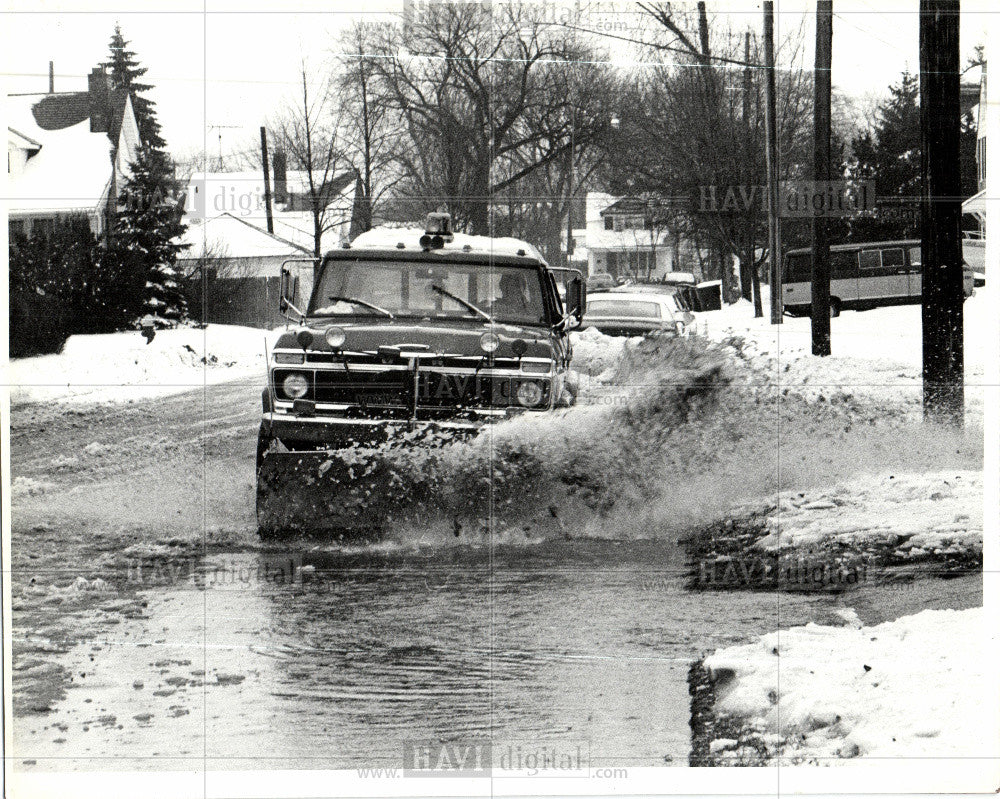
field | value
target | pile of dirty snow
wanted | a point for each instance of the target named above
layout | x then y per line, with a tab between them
913	688
115	367
934	514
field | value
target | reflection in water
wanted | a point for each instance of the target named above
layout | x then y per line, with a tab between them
305	659
565	641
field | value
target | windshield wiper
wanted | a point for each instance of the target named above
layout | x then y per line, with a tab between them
466	303
363	304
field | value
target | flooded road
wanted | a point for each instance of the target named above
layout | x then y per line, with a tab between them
301	659
153	630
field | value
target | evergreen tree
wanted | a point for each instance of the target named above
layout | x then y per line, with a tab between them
126	73
888	156
144	243
143	251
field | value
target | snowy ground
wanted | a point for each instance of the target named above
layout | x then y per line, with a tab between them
118	367
913	688
875	354
933	515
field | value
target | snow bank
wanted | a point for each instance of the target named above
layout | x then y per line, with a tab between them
116	367
921	515
876	353
595	354
911	688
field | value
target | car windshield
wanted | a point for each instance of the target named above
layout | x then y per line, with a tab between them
626	308
408	289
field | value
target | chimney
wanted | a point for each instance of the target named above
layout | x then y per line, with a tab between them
278	164
52	77
99	89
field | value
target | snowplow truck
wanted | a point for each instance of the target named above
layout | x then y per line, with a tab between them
405	338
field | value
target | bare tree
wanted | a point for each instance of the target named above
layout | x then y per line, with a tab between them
308	132
477	90
369	127
692	134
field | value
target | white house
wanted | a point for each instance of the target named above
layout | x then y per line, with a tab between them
68	153
623	238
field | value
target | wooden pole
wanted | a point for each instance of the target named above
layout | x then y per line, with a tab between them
941	212
821	174
771	152
267	179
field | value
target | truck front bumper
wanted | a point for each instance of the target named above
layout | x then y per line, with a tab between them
332	432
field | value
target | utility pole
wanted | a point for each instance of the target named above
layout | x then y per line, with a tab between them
941	212
821	174
746	281
703	31
771	153
267	179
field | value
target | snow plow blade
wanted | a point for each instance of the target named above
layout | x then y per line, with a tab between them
322	493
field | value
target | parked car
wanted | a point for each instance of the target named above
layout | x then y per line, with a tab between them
666	289
636	314
600	281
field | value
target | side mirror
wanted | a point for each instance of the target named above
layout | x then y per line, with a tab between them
289	291
576	299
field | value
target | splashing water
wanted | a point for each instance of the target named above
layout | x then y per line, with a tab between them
680	436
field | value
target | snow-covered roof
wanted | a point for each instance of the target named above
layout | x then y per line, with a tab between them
21	141
386	238
242	193
228	236
628	239
69	172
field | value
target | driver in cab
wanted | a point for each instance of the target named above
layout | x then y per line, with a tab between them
513	300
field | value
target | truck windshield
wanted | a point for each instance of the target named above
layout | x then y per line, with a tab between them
405	289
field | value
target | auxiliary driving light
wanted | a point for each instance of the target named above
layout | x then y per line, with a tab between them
529	393
335	337
295	385
489	342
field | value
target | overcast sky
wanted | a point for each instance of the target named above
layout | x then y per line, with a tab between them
234	62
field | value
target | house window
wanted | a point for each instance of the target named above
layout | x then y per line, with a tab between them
15	228
609	223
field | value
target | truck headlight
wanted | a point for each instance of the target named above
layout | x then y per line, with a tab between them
529	393
295	385
335	337
489	342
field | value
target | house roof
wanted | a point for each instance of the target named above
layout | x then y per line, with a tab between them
228	236
626	205
69	173
214	193
69	168
241	195
60	110
22	141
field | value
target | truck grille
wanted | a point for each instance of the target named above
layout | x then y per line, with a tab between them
367	389
390	391
468	390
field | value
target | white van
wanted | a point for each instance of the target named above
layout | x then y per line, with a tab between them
864	275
